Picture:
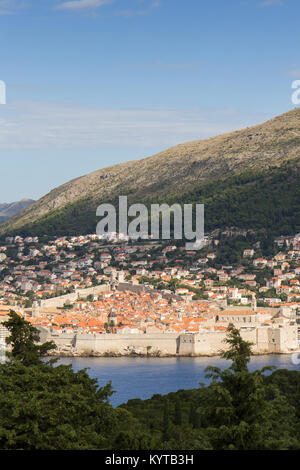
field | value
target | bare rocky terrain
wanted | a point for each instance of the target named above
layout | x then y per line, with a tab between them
178	169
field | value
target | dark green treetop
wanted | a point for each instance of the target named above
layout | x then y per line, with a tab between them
23	340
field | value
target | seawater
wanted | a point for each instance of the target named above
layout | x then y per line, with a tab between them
144	377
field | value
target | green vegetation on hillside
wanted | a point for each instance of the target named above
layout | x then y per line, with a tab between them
267	201
248	178
43	406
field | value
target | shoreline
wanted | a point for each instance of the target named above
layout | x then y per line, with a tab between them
156	356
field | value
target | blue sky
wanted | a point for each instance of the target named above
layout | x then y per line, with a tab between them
91	83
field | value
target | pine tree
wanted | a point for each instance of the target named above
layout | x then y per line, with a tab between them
49	408
23	340
236	406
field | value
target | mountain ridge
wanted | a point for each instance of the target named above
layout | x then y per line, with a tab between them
178	170
8	210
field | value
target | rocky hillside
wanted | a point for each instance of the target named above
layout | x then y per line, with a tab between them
13	208
182	170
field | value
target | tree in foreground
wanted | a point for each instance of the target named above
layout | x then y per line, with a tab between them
46	407
239	411
24	339
54	408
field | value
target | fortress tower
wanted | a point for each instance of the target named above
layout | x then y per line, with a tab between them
35	309
112	317
254	303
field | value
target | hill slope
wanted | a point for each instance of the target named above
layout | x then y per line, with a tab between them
240	163
13	208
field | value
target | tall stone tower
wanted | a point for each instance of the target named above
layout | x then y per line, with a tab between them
254	303
179	314
113	280
121	276
112	317
35	309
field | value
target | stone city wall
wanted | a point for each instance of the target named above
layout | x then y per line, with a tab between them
72	298
108	343
264	339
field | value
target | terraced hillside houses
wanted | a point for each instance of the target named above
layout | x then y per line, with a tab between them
88	285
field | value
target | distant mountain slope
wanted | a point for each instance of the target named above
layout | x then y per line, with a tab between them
200	171
13	208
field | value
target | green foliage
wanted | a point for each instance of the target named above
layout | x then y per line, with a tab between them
46	407
239	351
235	405
239	410
266	201
166	421
43	407
52	408
23	338
254	199
178	413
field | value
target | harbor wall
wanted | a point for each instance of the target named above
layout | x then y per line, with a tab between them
281	339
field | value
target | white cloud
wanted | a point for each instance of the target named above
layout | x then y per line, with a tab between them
83	4
145	8
8	7
27	125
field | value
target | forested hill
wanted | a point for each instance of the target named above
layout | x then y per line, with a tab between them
246	179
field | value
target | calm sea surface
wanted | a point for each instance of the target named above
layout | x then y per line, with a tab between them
143	377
